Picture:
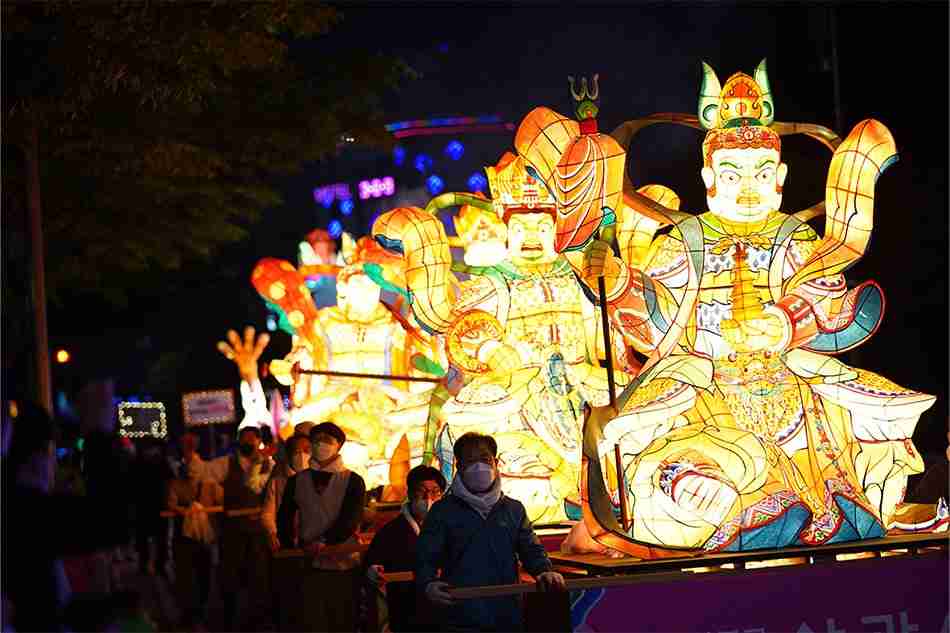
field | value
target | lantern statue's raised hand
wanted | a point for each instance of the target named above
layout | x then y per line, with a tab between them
521	337
742	431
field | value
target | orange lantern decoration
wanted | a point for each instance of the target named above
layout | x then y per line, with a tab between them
280	283
581	167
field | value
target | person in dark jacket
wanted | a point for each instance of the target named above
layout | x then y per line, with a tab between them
394	550
152	475
39	527
326	500
476	535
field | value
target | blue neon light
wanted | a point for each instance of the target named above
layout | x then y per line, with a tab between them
346	207
399	155
477	182
454	150
435	185
335	229
422	163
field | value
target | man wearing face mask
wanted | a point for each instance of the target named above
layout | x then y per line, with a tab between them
328	499
476	535
394	550
298	460
244	544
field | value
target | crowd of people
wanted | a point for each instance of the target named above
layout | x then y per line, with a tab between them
279	528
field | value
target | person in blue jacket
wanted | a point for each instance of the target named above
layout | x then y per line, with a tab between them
476	535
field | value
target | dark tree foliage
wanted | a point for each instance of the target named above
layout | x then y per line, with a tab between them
160	125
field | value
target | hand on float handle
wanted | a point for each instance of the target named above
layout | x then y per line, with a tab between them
438	592
551	581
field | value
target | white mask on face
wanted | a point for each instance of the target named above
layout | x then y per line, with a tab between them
420	508
324	451
478	477
299	461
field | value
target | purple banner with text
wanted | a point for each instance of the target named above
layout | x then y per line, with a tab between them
897	594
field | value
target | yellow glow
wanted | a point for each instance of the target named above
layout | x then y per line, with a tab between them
277	291
856	556
775	562
62	356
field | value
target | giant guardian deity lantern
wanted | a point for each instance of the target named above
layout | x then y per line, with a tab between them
522	338
361	334
742	430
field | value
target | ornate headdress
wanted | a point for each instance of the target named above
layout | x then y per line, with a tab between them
513	187
737	115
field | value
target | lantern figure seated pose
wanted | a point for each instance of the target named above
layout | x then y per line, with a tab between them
521	337
743	431
361	334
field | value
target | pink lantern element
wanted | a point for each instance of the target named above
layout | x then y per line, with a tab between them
377	188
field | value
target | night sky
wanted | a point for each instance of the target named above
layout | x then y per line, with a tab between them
893	66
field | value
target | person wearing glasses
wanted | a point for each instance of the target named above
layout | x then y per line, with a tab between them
394	550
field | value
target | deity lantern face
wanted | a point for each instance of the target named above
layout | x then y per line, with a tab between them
357	294
744	184
531	238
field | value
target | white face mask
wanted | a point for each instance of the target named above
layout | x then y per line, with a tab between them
299	461
324	451
420	508
478	477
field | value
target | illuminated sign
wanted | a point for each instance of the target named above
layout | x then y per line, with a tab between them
328	193
142	419
208	407
377	188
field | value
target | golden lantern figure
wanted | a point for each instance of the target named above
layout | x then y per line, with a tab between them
743	431
522	339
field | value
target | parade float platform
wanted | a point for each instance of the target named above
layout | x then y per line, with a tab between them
894	584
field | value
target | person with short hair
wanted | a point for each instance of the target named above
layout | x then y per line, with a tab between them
327	499
476	536
245	550
394	550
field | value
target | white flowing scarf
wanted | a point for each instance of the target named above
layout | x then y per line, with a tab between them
483	502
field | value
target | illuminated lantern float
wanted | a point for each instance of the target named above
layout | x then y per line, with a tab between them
522	338
742	430
361	334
